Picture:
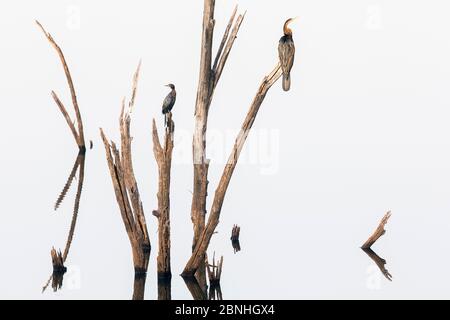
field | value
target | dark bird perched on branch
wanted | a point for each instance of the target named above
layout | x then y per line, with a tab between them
286	52
169	102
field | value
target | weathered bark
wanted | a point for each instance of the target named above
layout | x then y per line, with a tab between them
208	79
163	156
78	135
380	262
125	186
379	231
213	220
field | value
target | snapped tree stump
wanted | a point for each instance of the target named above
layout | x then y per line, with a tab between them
214	270
379	231
125	186
163	156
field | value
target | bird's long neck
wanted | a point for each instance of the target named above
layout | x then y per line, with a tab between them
287	31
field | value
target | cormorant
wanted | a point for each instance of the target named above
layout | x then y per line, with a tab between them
169	101
286	52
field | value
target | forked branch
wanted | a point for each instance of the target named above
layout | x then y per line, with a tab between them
78	135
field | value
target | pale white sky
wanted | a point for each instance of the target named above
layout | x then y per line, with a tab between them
363	130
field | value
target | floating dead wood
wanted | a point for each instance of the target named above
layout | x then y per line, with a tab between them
208	79
235	238
77	134
379	231
380	262
163	156
125	186
235	233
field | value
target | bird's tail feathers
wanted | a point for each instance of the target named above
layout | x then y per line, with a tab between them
286	81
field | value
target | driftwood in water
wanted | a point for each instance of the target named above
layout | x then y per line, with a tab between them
77	134
380	262
235	232
125	186
379	231
163	156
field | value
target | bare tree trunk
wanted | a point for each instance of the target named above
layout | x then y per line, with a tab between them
78	135
163	156
203	242
126	188
208	79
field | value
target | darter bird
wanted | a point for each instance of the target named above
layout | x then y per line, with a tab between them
169	101
286	52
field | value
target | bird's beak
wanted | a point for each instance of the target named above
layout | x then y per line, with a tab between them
167	85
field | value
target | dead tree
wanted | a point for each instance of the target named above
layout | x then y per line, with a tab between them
125	186
77	134
379	231
163	156
208	80
219	196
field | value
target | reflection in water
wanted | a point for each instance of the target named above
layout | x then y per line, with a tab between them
215	293
139	280
58	259
165	288
195	289
236	246
380	262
